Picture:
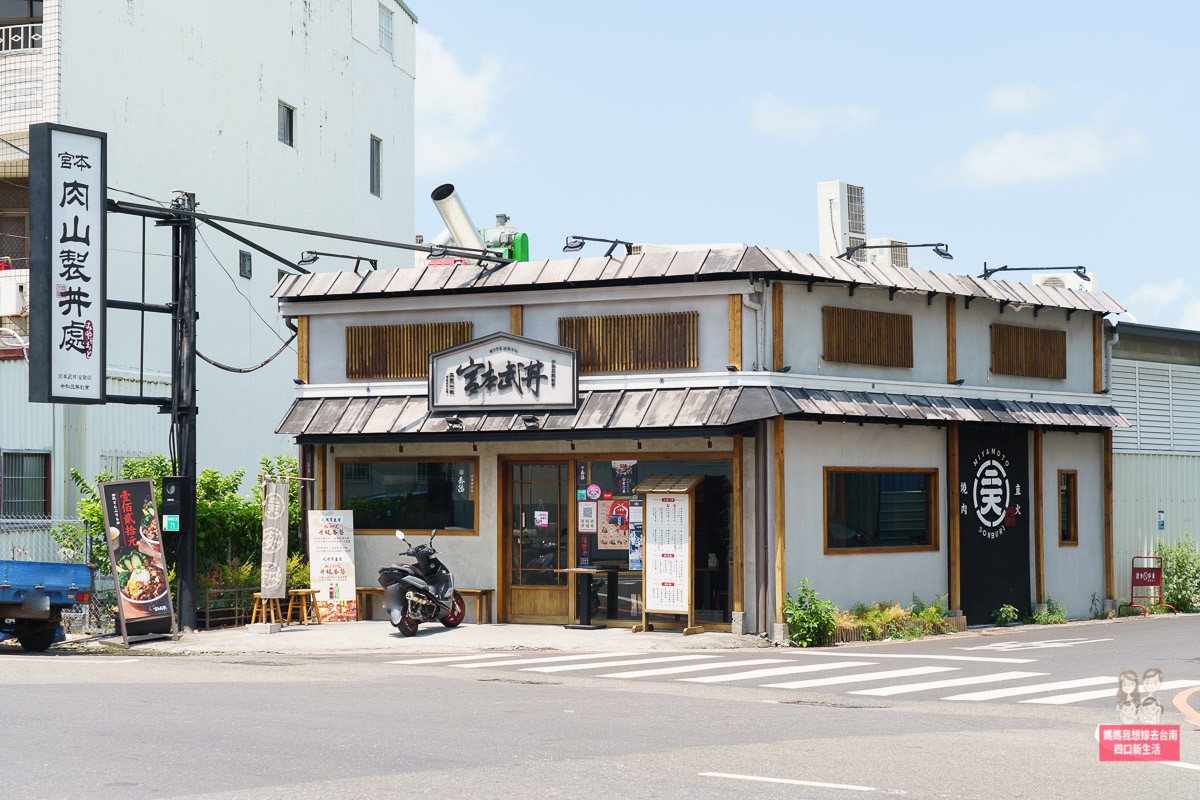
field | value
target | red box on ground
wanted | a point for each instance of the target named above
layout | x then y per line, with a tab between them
1139	742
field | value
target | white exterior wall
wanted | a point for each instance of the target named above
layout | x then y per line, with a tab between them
474	559
850	578
189	101
1073	573
975	346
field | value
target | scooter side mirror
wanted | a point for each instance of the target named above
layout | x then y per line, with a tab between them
400	535
432	535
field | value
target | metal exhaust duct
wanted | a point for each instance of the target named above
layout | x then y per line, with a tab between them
455	215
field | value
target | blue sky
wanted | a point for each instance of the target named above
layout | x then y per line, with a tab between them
1026	134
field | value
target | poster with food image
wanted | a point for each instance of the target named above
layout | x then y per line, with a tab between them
623	475
614	524
135	549
331	564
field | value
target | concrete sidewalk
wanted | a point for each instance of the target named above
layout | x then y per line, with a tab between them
379	637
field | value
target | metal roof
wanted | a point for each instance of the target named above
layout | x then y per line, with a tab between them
648	412
680	266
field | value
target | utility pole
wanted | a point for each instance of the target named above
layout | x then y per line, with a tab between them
183	396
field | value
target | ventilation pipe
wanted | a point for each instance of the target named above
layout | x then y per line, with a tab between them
455	215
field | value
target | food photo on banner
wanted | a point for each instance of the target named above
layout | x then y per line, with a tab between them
993	474
135	551
331	564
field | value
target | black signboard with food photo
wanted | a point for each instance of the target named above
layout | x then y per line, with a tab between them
136	553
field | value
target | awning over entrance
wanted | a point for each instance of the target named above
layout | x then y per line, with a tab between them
675	411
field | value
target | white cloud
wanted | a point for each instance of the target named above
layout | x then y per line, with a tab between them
456	111
1019	157
1016	99
1190	317
1156	297
776	117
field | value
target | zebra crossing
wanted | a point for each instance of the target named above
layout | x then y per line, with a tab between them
868	674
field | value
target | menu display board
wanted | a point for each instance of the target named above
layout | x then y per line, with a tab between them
331	564
667	553
135	552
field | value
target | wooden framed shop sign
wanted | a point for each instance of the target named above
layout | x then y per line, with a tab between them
139	567
669	538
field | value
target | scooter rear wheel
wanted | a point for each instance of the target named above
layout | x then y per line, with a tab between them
458	610
407	625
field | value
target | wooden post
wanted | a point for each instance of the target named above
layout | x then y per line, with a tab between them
1097	353
780	520
951	339
954	498
777	326
1039	562
516	320
736	575
735	330
302	348
1109	584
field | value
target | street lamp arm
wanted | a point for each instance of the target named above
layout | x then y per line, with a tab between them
1079	270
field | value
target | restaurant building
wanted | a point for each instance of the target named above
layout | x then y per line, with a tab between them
881	431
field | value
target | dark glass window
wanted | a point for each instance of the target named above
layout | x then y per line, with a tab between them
244	266
20	10
409	495
880	509
287	119
25	485
1068	507
376	157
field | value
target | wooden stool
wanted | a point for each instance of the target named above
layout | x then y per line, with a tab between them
483	604
364	597
306	600
264	604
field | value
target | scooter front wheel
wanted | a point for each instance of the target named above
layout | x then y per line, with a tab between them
457	611
407	625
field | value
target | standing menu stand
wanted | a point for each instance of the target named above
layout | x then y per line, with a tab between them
670	531
1145	576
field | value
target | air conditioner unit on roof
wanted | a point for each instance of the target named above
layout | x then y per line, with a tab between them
1066	280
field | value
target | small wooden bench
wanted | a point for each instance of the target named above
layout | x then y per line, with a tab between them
264	606
483	604
364	600
305	600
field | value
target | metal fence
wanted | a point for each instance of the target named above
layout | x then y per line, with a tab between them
62	541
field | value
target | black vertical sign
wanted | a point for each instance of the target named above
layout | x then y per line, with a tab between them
993	522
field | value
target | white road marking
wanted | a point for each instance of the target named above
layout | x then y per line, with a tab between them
646	673
1183	764
73	659
1006	647
1079	697
1037	688
789	781
629	662
859	677
444	659
888	691
541	660
866	652
772	671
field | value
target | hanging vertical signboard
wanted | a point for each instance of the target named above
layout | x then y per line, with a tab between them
139	567
274	541
331	564
993	474
68	197
666	549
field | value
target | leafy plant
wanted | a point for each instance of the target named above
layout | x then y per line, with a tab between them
1005	615
810	621
1181	573
1055	614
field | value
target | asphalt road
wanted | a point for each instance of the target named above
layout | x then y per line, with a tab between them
890	718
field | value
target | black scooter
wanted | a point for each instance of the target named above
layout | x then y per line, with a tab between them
421	592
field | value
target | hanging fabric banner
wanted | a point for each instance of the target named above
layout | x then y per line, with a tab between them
274	539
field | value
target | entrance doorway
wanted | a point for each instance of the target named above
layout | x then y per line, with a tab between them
538	525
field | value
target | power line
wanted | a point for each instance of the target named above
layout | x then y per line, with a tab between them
237	288
260	365
14	146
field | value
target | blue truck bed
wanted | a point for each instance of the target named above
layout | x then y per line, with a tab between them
60	582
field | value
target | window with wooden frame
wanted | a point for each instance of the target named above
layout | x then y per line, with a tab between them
631	342
414	495
1068	508
400	351
1029	352
858	336
880	509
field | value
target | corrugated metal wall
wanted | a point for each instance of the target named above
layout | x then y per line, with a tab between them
1162	402
1143	485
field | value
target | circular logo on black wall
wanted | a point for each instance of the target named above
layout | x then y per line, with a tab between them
991	492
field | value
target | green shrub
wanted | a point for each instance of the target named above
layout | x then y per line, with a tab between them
1005	615
1181	573
1055	614
810	621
